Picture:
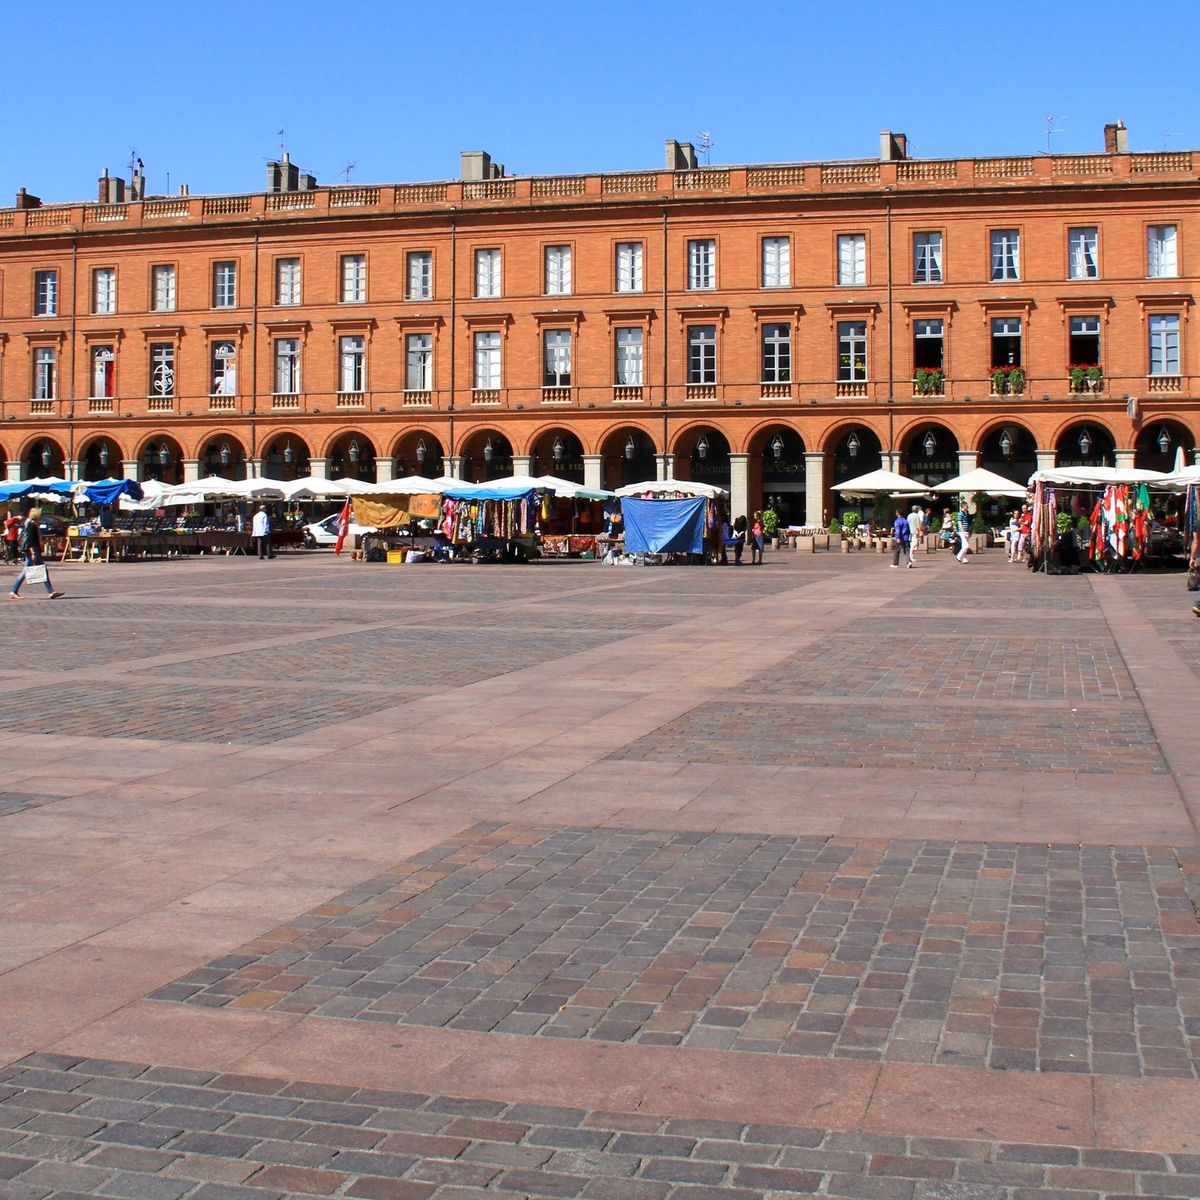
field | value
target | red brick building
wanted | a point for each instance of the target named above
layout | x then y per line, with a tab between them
775	328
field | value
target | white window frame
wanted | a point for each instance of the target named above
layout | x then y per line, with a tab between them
556	358
489	274
1162	251
927	256
630	356
777	262
1005	245
775	357
287	366
1007	327
223	365
557	273
162	368
418	362
353	274
487	376
289	281
45	293
1083	252
853	341
852	259
45	373
1165	344
103	373
104	291
224	283
162	287
701	355
631	258
418	275
352	364
701	264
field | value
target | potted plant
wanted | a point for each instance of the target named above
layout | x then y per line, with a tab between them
999	378
1095	376
929	380
1016	380
850	523
770	523
1078	378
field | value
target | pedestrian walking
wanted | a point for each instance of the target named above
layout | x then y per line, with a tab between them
34	569
962	526
916	527
260	531
901	539
757	540
12	536
1024	533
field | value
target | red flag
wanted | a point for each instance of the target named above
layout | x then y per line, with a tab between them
343	526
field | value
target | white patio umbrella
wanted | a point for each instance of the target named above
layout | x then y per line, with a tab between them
985	482
411	485
881	483
659	487
318	487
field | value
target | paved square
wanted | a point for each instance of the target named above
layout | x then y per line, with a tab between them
815	879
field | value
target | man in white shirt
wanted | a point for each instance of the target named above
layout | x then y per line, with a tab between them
916	527
260	530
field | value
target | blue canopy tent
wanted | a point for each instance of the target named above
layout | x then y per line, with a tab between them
664	526
109	491
19	489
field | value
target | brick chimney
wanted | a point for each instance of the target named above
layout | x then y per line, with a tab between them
1116	139
681	156
892	146
26	200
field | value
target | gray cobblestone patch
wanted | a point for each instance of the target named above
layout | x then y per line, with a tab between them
403	1150
1114	739
1048	958
15	802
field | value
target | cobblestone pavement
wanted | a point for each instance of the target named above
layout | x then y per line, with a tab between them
323	878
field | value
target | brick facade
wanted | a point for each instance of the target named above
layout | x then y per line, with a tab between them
791	436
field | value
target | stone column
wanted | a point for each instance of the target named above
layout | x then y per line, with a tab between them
319	467
12	469
191	470
890	460
1046	459
814	488
739	485
522	463
593	470
666	466
454	466
71	468
129	468
968	460
385	470
254	468
1124	459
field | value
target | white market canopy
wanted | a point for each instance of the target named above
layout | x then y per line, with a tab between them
663	487
213	487
317	487
1179	480
984	481
875	483
1097	476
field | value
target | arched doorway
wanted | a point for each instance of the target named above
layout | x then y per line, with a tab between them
930	455
557	452
1009	450
1085	444
487	455
101	459
1159	444
418	453
161	459
627	456
702	455
777	473
224	456
286	457
352	456
43	459
855	452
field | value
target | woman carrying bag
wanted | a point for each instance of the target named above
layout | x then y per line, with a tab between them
34	570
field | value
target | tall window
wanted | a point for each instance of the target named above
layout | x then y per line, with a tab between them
1164	344
224	369
225	285
852	259
418	362
162	369
1006	254
162	288
1006	341
556	359
629	267
702	354
852	351
45	373
777	353
104	290
558	271
928	345
418	274
1082	259
45	294
630	357
287	366
487	274
354	278
104	370
776	262
487	361
287	281
702	264
927	258
352	353
1085	342
1162	261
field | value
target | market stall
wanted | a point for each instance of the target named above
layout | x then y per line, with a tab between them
673	520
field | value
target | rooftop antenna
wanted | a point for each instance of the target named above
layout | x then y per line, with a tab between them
135	163
282	146
1167	136
346	171
1051	118
705	144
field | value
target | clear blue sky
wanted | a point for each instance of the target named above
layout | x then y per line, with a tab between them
201	89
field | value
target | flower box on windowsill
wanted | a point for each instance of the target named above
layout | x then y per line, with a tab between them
929	381
1008	381
1086	379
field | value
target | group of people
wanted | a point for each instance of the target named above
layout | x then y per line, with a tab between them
1020	530
909	528
23	547
735	536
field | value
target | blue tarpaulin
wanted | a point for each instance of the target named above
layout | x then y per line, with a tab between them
664	526
484	491
18	489
109	491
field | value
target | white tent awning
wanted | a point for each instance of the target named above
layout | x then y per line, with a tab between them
662	487
881	482
985	481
